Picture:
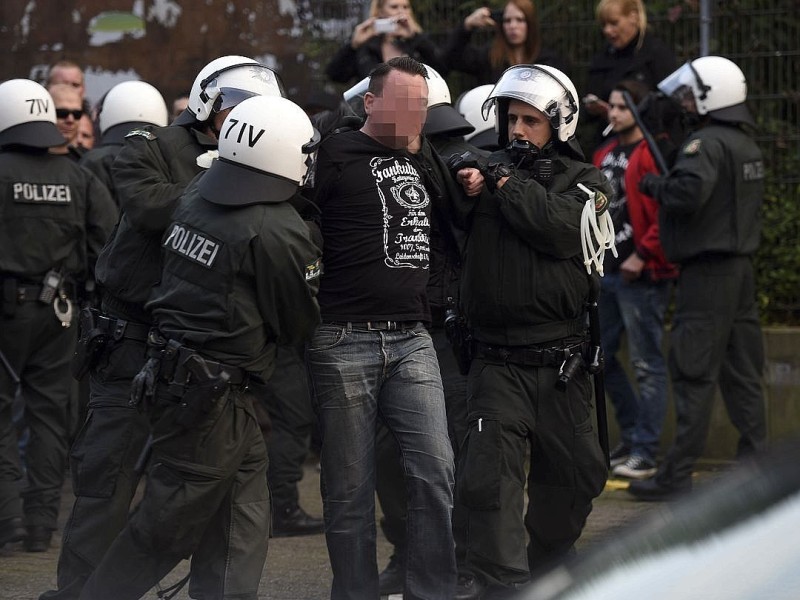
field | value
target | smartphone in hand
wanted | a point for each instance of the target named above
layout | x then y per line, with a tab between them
388	25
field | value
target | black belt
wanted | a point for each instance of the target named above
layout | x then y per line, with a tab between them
527	355
378	325
174	369
121	329
28	293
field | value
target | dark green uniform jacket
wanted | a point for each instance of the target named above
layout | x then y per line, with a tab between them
523	280
237	280
53	215
150	173
711	201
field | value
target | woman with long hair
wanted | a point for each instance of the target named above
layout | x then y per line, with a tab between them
517	40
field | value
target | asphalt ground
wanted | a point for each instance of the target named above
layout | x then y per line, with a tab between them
297	568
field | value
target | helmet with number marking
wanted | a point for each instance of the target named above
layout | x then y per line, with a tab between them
265	149
28	117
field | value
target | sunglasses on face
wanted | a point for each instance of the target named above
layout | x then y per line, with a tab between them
63	113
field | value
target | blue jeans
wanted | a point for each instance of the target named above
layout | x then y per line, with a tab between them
358	376
636	308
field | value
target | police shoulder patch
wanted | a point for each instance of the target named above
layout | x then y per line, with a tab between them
314	270
148	135
692	148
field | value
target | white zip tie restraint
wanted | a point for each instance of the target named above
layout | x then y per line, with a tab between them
591	230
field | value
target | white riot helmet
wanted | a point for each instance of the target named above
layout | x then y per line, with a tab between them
132	104
470	105
543	87
717	84
226	81
28	117
442	118
264	149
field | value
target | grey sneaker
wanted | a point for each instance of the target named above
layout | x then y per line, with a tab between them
619	454
636	467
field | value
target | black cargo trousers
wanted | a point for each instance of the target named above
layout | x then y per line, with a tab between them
516	412
103	458
206	497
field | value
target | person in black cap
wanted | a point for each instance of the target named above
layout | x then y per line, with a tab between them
710	224
149	174
239	277
56	218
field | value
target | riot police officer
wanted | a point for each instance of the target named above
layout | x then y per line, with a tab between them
54	220
127	106
524	290
710	225
239	277
150	173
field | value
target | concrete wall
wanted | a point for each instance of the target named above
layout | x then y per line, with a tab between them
782	390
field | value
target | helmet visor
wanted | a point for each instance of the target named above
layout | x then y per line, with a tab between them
682	77
530	85
230	97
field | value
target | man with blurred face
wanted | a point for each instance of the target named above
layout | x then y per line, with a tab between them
372	354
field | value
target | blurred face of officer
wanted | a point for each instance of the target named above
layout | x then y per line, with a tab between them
619	115
528	123
395	118
69	110
515	27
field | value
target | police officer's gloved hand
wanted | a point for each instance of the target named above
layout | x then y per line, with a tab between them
143	386
495	171
649	184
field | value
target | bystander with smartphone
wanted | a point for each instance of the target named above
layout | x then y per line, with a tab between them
390	30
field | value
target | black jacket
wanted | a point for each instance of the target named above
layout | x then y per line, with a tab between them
350	65
524	281
711	200
53	214
150	174
252	286
461	55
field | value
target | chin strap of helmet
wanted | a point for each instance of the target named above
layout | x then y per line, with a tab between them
596	227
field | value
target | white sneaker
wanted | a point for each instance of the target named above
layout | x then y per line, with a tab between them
636	467
619	454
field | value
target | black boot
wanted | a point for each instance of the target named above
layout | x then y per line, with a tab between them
11	530
392	579
291	520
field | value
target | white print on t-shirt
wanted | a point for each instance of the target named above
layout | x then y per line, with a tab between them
406	243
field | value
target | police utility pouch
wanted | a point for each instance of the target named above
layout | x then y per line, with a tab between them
9	297
91	343
202	392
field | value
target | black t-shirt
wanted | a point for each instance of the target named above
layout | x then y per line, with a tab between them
613	165
376	230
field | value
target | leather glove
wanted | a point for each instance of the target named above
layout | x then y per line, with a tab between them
649	184
143	386
494	172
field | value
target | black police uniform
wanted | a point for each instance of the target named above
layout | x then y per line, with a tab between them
524	289
53	215
236	281
710	225
149	174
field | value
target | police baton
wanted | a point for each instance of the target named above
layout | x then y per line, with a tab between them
11	372
648	137
596	366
